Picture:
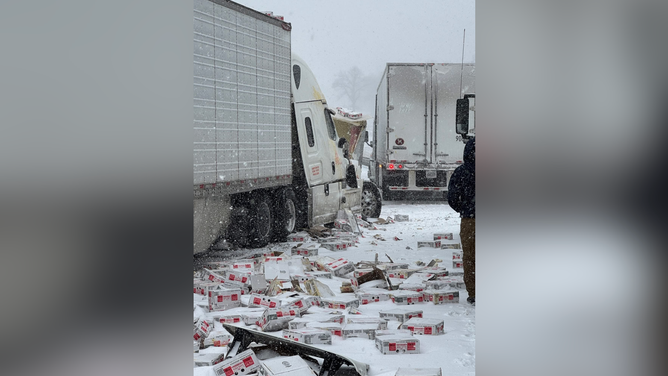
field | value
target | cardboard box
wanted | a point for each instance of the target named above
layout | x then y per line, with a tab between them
203	287
443	236
223	299
424	326
439	284
301	236
457	264
429	244
394	332
367	331
441	296
367	297
287	366
306	250
405	297
378	322
332	327
341	302
400	315
319	274
337	245
437	271
451	246
397	344
244	265
401	273
235	315
238	277
274	319
208	359
345	235
290	299
243	364
401	218
282	267
257	300
340	267
309	336
343	224
387	266
417	287
418	372
218	338
456	255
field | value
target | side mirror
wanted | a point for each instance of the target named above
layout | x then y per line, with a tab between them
462	116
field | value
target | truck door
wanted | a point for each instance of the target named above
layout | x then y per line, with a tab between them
448	82
408	123
323	160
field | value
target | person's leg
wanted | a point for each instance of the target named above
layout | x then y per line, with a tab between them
467	234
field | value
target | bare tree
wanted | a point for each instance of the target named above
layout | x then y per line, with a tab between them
355	86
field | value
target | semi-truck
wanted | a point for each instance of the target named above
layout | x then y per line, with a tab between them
267	159
415	148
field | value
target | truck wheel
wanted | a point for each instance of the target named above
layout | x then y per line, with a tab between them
285	214
259	221
371	202
237	231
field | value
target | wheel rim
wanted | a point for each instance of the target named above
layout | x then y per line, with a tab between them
291	212
368	203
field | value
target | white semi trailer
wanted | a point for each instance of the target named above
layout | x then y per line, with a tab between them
267	157
415	147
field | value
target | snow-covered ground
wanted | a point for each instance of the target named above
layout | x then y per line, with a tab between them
454	351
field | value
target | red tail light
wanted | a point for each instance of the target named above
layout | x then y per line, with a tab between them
390	166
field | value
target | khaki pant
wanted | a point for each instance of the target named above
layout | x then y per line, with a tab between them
467	234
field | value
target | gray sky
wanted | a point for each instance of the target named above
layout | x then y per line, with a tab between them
335	35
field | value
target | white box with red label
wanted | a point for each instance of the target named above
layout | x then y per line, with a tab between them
290	299
243	364
257	300
333	327
238	277
394	332
223	299
380	323
208	359
204	287
202	329
443	236
277	318
244	265
424	326
282	267
397	344
400	315
345	235
306	250
218	338
286	366
429	244
392	266
417	287
340	267
457	264
406	297
367	297
441	296
419	372
456	255
439	284
401	273
437	271
336	245
451	246
367	331
301	236
319	274
217	276
341	302
309	336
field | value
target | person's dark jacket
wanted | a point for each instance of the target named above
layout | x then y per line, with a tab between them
461	189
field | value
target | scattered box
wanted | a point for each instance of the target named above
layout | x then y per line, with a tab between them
457	264
418	372
319	274
263	301
443	236
405	297
397	344
437	271
223	299
287	366
380	323
392	266
441	296
243	364
456	255
424	326
309	336
341	302
208	359
400	315
417	287
274	319
367	331
394	332
451	246
336	245
306	250
301	236
218	338
333	327
401	218
340	267
401	273
429	244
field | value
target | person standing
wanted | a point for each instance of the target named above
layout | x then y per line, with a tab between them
461	197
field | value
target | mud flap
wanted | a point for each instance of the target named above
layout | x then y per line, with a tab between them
331	362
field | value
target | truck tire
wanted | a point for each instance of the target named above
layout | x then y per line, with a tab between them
285	214
259	221
237	231
371	201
